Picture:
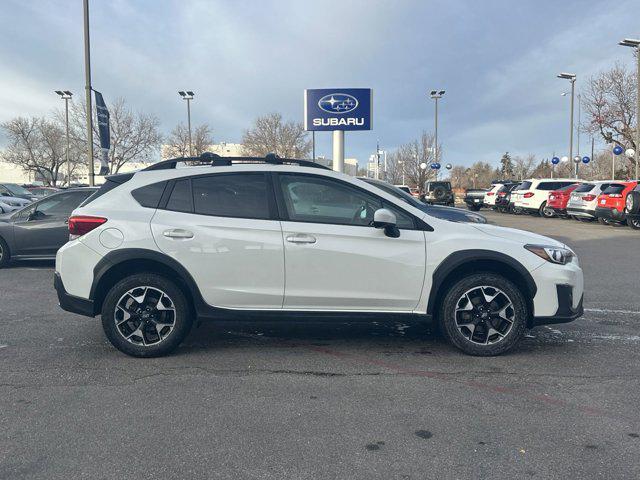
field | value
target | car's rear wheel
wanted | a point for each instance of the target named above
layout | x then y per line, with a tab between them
603	221
484	314
5	254
475	208
634	224
545	211
146	315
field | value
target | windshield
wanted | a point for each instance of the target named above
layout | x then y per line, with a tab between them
16	189
585	187
568	187
396	192
614	188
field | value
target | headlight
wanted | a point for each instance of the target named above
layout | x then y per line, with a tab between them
558	255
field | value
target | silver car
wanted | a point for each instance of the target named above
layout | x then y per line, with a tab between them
583	200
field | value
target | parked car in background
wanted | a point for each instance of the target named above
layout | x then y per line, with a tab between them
584	199
414	192
558	200
474	198
514	195
438	193
632	204
533	194
446	213
492	194
15	190
503	197
9	203
38	230
612	202
40	191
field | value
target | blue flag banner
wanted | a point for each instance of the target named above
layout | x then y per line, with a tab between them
105	134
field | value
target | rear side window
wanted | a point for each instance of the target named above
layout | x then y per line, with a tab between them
181	199
149	195
233	195
548	186
524	186
585	187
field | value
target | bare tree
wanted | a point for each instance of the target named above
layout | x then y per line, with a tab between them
523	167
408	158
38	145
270	134
610	104
135	137
178	141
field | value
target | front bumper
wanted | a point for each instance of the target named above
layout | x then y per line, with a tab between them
566	311
610	214
71	303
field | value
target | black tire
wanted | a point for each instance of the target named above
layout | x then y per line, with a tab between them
5	254
603	221
439	193
182	316
583	219
633	201
633	224
545	212
450	327
474	208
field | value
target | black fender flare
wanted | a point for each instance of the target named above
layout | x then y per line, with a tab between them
479	257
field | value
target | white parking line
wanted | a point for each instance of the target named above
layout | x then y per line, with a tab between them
605	310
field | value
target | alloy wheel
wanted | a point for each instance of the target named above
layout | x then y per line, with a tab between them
145	316
484	315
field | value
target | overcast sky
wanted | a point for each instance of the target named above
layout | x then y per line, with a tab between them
497	61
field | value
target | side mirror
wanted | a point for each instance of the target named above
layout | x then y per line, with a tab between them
384	218
4	194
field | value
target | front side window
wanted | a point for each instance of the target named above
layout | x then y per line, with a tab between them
319	200
242	195
59	206
181	199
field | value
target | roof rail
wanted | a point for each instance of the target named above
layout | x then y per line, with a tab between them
215	160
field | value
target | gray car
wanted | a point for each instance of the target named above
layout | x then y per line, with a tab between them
40	229
445	213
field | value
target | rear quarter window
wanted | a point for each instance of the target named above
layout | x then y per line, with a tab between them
149	195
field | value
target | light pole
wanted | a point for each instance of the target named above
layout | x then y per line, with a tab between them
66	96
630	42
188	96
571	77
436	95
87	87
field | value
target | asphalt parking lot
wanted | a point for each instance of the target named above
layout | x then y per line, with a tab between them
315	401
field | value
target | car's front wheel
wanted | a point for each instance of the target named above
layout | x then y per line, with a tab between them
545	211
484	314
146	315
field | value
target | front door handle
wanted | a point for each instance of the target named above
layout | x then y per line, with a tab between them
301	238
177	233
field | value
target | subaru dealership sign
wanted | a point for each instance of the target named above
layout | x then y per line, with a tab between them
337	109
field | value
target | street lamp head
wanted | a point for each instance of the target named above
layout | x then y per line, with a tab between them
441	92
433	92
60	92
181	93
67	92
190	93
630	42
436	93
567	76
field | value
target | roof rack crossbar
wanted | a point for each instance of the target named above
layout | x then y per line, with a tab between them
216	160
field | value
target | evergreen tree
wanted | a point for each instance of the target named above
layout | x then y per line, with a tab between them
506	166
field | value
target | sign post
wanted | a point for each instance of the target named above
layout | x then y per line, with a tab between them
337	110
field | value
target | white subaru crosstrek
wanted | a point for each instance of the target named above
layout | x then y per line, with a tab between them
249	238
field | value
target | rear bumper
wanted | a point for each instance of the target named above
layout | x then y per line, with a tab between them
71	303
581	212
609	214
478	202
566	311
559	210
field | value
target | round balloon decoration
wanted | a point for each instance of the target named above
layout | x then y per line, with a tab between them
564	159
423	166
448	166
576	159
585	160
555	160
437	166
630	152
617	150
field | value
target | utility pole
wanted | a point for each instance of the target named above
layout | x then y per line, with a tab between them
572	78
87	86
630	42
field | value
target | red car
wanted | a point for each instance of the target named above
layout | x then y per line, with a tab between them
611	203
558	199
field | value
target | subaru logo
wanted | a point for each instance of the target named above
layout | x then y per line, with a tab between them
338	103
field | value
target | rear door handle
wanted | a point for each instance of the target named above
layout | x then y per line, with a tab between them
301	238
177	233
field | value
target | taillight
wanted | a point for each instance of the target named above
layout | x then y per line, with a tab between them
615	195
528	195
502	194
589	198
81	225
490	194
